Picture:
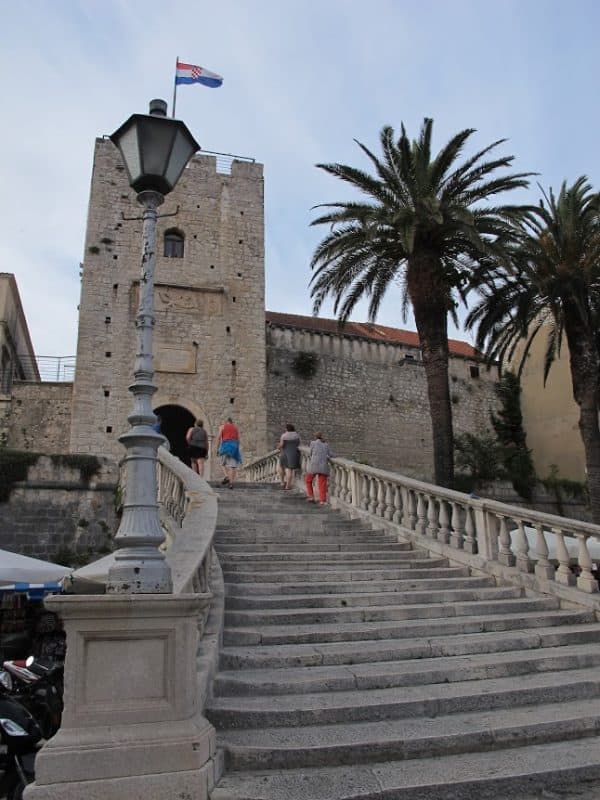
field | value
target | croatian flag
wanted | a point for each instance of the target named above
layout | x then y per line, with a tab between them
190	73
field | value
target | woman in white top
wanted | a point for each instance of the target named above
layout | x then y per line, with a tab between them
318	466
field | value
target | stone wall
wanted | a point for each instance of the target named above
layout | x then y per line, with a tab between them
37	417
557	501
372	411
209	336
55	510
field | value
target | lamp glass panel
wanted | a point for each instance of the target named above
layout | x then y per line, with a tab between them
155	144
183	150
128	145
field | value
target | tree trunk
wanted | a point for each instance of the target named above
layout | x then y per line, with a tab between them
431	317
585	374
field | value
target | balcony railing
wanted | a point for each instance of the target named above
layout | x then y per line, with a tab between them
47	369
225	160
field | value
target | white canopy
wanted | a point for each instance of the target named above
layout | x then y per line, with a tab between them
96	572
15	568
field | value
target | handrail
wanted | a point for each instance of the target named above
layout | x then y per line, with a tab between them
192	505
552	549
188	508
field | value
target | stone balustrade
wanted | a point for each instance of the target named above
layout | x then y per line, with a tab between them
138	670
535	549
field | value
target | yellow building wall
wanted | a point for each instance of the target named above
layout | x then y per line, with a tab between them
550	414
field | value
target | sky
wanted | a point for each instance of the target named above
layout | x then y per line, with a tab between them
302	80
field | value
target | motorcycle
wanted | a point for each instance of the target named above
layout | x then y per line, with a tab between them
39	687
20	736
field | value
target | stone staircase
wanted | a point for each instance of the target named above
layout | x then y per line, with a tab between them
354	666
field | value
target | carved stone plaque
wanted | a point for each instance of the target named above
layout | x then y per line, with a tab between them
205	301
174	359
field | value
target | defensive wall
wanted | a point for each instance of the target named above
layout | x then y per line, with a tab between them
57	509
369	398
36	417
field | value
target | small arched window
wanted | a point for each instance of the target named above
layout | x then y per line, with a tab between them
173	244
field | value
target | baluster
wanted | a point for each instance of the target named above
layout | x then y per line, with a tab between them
347	486
469	543
364	501
432	517
351	486
543	568
524	563
355	484
397	505
586	580
372	496
444	531
387	501
380	498
458	530
421	526
411	509
375	503
563	574
331	486
341	492
340	483
505	555
379	506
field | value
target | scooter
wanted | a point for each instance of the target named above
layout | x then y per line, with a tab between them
39	687
19	738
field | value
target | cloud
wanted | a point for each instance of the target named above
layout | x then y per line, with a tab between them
302	80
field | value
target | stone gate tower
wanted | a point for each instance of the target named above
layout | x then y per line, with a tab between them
209	336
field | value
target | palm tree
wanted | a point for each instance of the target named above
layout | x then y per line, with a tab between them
423	223
554	286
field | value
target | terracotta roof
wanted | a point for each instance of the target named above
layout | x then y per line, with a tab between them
365	330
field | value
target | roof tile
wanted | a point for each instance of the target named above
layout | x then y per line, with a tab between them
365	330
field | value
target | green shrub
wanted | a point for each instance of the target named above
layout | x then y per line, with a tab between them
305	365
508	425
563	486
476	458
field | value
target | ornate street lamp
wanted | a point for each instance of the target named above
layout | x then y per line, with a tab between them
155	150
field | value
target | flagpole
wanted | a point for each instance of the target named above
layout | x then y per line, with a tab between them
175	88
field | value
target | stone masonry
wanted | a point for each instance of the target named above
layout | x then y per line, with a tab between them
209	341
369	399
54	510
37	417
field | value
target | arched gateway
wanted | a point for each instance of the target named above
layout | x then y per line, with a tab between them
174	423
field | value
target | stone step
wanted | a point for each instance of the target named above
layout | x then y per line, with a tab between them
323	708
275	538
379	553
275	548
411	558
316	514
364	652
370	599
357	574
251	486
537	771
402	629
368	742
412	672
453	578
293	522
329	616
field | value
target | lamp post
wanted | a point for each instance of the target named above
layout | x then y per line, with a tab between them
155	151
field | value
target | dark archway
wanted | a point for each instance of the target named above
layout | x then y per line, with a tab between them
174	423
